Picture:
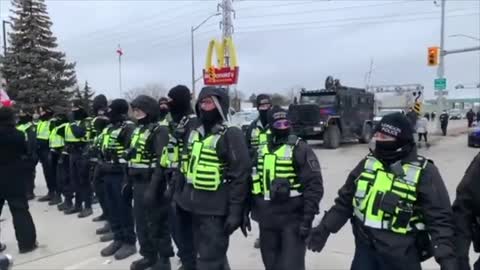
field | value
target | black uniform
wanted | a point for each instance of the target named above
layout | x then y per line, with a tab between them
43	151
113	169
31	159
15	168
382	249
466	210
444	122
55	168
286	223
149	184
217	214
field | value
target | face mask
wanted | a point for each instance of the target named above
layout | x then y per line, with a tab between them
24	119
138	114
163	112
263	116
210	117
390	151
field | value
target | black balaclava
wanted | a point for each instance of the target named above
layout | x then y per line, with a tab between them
218	115
100	103
60	118
163	111
149	106
24	117
280	136
395	125
80	113
118	111
263	114
7	117
48	113
180	105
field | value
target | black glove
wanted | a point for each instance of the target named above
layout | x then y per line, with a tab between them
130	153
449	264
304	231
318	239
232	223
246	226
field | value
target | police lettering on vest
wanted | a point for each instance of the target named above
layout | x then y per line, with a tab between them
144	158
276	165
204	168
386	201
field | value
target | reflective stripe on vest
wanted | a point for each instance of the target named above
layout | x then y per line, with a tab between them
276	165
110	143
371	186
23	128
143	159
89	130
205	171
56	141
171	153
259	137
43	130
164	122
69	137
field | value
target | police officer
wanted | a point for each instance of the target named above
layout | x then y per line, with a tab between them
75	141
258	132
287	188
150	206
113	169
56	143
26	126
44	128
163	116
217	179
15	165
466	210
100	107
444	122
184	120
397	202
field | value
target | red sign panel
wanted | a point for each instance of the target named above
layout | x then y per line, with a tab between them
220	76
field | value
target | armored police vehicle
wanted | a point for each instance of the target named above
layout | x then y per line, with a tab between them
334	114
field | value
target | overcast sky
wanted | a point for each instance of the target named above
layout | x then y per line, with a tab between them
280	44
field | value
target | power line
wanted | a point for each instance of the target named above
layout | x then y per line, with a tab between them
298	3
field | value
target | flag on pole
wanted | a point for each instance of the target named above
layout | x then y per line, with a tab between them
119	51
5	100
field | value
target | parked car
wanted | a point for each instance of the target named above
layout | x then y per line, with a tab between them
243	118
455	114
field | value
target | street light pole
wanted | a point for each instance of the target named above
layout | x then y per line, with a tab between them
441	66
4	28
192	31
466	36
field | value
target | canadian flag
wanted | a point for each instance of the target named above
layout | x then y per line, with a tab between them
5	100
119	51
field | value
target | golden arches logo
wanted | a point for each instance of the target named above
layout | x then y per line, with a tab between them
219	73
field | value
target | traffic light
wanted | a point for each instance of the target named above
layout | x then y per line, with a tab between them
433	56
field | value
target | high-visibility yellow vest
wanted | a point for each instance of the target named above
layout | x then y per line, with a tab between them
259	137
56	141
205	170
144	158
276	165
163	122
111	144
23	128
43	129
374	182
69	137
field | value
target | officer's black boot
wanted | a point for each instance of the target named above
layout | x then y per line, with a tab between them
111	249
73	210
85	213
56	199
105	229
102	217
67	204
143	263
107	237
125	251
46	198
162	264
257	243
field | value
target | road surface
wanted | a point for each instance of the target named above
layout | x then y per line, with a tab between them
69	243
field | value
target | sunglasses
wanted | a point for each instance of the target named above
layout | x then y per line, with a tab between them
281	124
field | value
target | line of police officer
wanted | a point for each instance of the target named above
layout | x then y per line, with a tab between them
196	179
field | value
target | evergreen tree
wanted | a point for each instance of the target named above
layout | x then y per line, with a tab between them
36	72
85	96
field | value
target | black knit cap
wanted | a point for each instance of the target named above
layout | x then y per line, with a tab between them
119	106
396	125
180	94
275	114
263	99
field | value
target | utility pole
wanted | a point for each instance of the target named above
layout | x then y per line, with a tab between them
441	66
227	28
4	38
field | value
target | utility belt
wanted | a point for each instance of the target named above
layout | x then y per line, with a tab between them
140	175
74	147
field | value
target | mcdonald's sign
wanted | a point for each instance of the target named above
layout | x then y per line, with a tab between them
220	74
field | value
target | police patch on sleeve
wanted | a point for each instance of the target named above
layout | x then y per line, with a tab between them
314	165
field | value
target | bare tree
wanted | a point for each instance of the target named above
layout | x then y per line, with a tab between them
154	90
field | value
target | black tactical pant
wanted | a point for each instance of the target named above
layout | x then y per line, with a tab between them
30	184
183	223
63	177
120	215
25	231
366	258
444	129
43	156
84	190
99	188
211	242
53	158
76	176
151	222
282	248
